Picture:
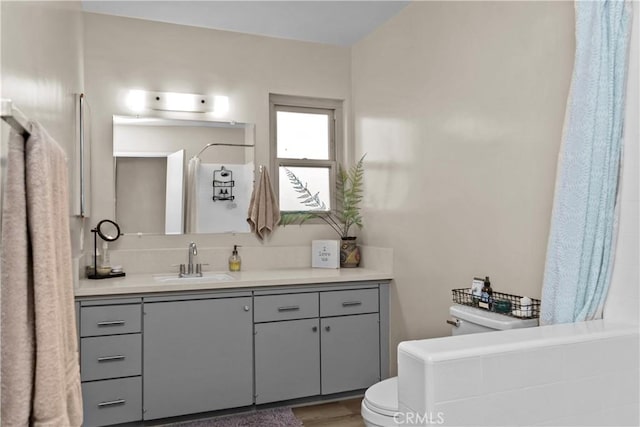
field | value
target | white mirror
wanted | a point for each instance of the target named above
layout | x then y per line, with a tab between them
152	160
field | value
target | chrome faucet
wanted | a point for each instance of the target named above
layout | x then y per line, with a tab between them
192	270
193	251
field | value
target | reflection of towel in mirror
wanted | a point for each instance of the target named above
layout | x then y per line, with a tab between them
264	212
191	196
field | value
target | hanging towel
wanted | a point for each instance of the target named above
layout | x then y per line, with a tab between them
40	368
191	197
264	212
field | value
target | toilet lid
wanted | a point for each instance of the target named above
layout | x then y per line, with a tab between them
383	397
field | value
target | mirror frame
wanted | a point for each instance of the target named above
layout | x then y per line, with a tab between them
103	235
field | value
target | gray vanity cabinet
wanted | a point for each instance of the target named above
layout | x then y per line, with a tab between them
319	341
197	355
170	354
350	352
287	346
287	360
110	360
350	337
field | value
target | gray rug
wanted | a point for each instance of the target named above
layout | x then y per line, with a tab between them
276	417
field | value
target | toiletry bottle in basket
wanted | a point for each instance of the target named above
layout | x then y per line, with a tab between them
476	290
486	297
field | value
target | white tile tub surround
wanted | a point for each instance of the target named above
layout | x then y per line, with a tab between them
573	374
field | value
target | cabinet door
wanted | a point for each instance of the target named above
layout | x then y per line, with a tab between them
287	360
350	352
197	356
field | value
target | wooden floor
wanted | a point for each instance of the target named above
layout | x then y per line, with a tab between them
345	413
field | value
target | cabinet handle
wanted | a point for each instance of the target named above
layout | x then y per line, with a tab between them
351	303
327	328
111	358
111	403
314	329
246	308
455	323
111	323
289	308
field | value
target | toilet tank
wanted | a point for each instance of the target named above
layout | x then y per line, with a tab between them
471	320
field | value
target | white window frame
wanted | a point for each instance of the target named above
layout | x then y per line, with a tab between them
300	104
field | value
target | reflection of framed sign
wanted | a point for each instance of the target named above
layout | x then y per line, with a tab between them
325	253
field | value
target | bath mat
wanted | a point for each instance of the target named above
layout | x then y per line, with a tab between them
276	417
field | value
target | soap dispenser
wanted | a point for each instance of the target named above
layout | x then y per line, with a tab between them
234	260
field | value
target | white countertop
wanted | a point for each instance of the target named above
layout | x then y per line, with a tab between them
145	283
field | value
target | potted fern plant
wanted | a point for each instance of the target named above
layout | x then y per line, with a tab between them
349	189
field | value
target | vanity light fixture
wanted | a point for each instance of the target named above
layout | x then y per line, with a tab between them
140	100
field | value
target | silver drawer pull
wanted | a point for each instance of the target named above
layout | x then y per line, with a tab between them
289	308
351	303
110	358
111	403
111	323
455	323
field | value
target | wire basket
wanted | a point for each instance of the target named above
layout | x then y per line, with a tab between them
507	304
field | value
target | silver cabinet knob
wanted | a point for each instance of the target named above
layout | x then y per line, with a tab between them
246	308
314	329
327	328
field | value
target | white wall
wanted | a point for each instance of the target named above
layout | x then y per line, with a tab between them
42	69
123	54
623	300
459	107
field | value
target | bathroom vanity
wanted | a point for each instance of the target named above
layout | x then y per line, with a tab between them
151	351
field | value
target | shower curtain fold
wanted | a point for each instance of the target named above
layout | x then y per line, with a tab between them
582	236
191	196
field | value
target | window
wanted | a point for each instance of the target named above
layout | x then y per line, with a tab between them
305	140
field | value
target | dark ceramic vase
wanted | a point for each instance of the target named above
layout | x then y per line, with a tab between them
349	253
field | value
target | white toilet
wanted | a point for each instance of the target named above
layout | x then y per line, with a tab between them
380	402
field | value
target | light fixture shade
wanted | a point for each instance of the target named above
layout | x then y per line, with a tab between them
139	100
173	101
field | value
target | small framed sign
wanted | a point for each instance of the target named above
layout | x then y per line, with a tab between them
325	253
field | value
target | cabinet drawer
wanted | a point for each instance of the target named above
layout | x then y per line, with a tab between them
110	357
340	303
112	401
269	308
109	320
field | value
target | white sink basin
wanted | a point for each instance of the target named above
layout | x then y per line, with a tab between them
207	277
